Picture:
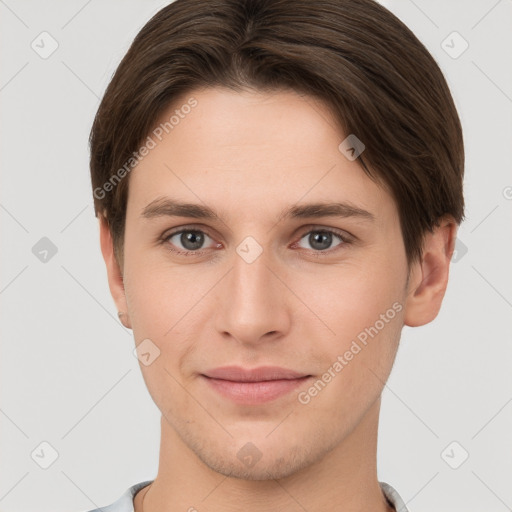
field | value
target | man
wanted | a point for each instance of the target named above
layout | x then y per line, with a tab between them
278	185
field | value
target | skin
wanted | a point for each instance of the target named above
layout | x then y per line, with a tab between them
291	307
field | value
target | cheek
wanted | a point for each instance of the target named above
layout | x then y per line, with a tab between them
346	300
151	306
162	311
155	291
354	364
154	303
166	306
361	312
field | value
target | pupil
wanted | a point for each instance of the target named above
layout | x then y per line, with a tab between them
316	240
192	240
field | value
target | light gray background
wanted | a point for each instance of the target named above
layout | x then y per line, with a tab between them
68	375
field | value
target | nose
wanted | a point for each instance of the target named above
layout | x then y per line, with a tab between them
254	301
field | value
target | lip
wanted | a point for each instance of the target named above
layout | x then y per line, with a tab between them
262	373
253	386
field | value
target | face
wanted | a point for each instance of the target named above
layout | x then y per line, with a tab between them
265	281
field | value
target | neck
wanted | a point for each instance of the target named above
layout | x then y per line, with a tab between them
343	480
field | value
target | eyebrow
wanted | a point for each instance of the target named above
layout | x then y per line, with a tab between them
167	207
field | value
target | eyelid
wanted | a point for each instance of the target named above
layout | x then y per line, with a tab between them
344	235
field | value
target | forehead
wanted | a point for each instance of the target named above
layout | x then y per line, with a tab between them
250	149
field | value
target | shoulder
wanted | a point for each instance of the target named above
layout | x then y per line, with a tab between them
393	497
125	502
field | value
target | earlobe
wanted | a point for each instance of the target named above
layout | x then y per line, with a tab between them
114	273
429	276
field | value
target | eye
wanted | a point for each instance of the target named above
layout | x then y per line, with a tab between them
189	241
321	240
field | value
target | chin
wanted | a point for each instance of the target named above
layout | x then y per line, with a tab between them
250	463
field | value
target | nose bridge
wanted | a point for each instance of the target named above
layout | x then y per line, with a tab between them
253	299
251	278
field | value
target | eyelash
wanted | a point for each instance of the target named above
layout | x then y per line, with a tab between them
344	237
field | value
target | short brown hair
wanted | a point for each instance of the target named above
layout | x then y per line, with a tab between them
377	78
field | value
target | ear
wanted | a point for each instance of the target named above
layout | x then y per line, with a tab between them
115	276
429	276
